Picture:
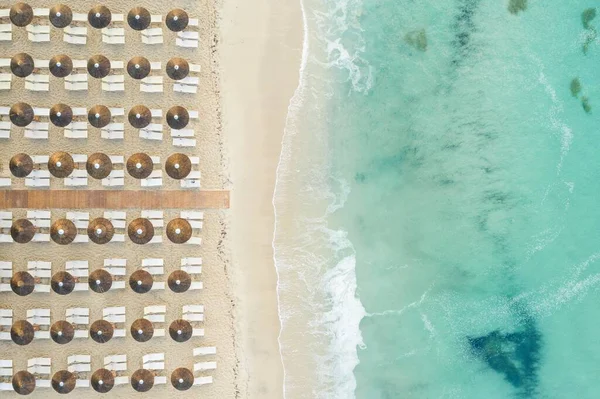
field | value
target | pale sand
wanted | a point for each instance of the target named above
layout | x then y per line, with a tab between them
216	296
260	57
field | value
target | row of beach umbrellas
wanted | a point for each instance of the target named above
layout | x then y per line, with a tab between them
102	380
99	165
99	17
61	115
100	281
101	231
98	66
62	332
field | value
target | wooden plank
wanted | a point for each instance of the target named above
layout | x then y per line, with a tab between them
114	199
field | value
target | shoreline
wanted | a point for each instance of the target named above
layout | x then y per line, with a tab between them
260	58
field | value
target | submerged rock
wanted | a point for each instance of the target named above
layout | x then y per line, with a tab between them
587	16
585	103
514	6
590	37
417	39
575	87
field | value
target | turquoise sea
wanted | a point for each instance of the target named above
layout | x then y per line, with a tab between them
438	227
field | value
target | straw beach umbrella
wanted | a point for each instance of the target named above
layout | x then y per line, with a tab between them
179	281
22	283
99	116
101	331
21	114
99	17
182	379
142	380
60	65
142	330
62	283
22	65
138	18
179	230
138	67
140	231
61	115
60	164
98	165
63	381
100	231
180	330
139	116
61	16
102	380
141	281
63	231
178	166
21	14
178	68
177	20
140	165
100	281
177	117
22	332
62	332
20	165
23	382
22	231
98	66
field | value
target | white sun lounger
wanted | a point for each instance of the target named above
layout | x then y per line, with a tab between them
5	28
6	372
114	33
203	380
81	366
81	270
79	317
116	315
35	32
6	321
76	34
154	33
156	315
205	351
40	367
152	84
40	317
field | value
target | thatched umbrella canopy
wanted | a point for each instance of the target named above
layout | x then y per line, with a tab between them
182	379
177	117
142	330
22	231
20	165
98	66
177	20
98	165
60	65
138	18
142	380
102	380
141	281
22	65
22	332
61	115
63	381
180	330
61	164
138	67
21	114
22	283
61	16
62	332
100	281
99	116
101	331
178	166
178	68
62	283
100	231
179	230
140	231
140	165
139	116
63	231
21	14
179	281
99	17
23	382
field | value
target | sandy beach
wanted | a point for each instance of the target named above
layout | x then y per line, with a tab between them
260	54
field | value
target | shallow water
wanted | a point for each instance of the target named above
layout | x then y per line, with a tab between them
442	196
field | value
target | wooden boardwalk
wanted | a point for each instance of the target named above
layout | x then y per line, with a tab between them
114	199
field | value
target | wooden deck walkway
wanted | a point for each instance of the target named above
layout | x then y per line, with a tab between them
114	199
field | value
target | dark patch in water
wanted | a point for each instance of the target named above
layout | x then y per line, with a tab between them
514	355
360	177
464	26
